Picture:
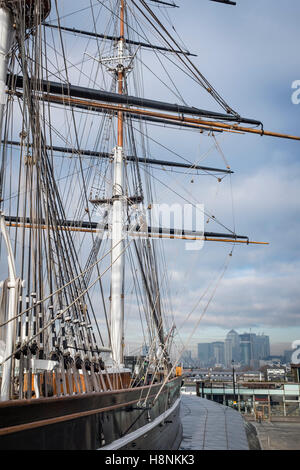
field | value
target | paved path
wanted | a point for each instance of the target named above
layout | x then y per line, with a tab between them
210	426
278	435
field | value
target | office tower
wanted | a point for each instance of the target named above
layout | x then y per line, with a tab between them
246	348
204	353
287	356
228	357
232	348
261	346
218	352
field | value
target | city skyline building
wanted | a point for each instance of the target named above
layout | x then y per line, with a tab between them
218	352
228	352
246	349
262	346
204	353
232	348
246	346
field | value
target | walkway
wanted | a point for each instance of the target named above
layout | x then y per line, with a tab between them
210	426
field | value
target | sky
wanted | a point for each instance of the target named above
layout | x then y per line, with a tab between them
249	53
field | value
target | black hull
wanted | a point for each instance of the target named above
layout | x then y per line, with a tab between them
106	420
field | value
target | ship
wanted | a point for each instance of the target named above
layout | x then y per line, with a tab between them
77	222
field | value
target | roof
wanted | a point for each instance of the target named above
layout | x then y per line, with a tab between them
210	426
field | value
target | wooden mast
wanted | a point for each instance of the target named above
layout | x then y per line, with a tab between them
121	75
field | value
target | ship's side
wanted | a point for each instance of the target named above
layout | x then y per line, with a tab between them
104	420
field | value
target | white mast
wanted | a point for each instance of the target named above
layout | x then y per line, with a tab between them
118	213
12	286
6	38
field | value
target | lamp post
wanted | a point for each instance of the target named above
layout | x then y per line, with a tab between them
233	379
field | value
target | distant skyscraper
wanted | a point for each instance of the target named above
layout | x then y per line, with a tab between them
287	355
232	348
218	352
204	353
254	347
246	348
228	352
261	347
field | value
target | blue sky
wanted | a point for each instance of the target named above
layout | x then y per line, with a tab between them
250	55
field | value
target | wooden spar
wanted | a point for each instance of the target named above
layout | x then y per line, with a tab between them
81	103
210	125
135	234
197	122
95	106
49	227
